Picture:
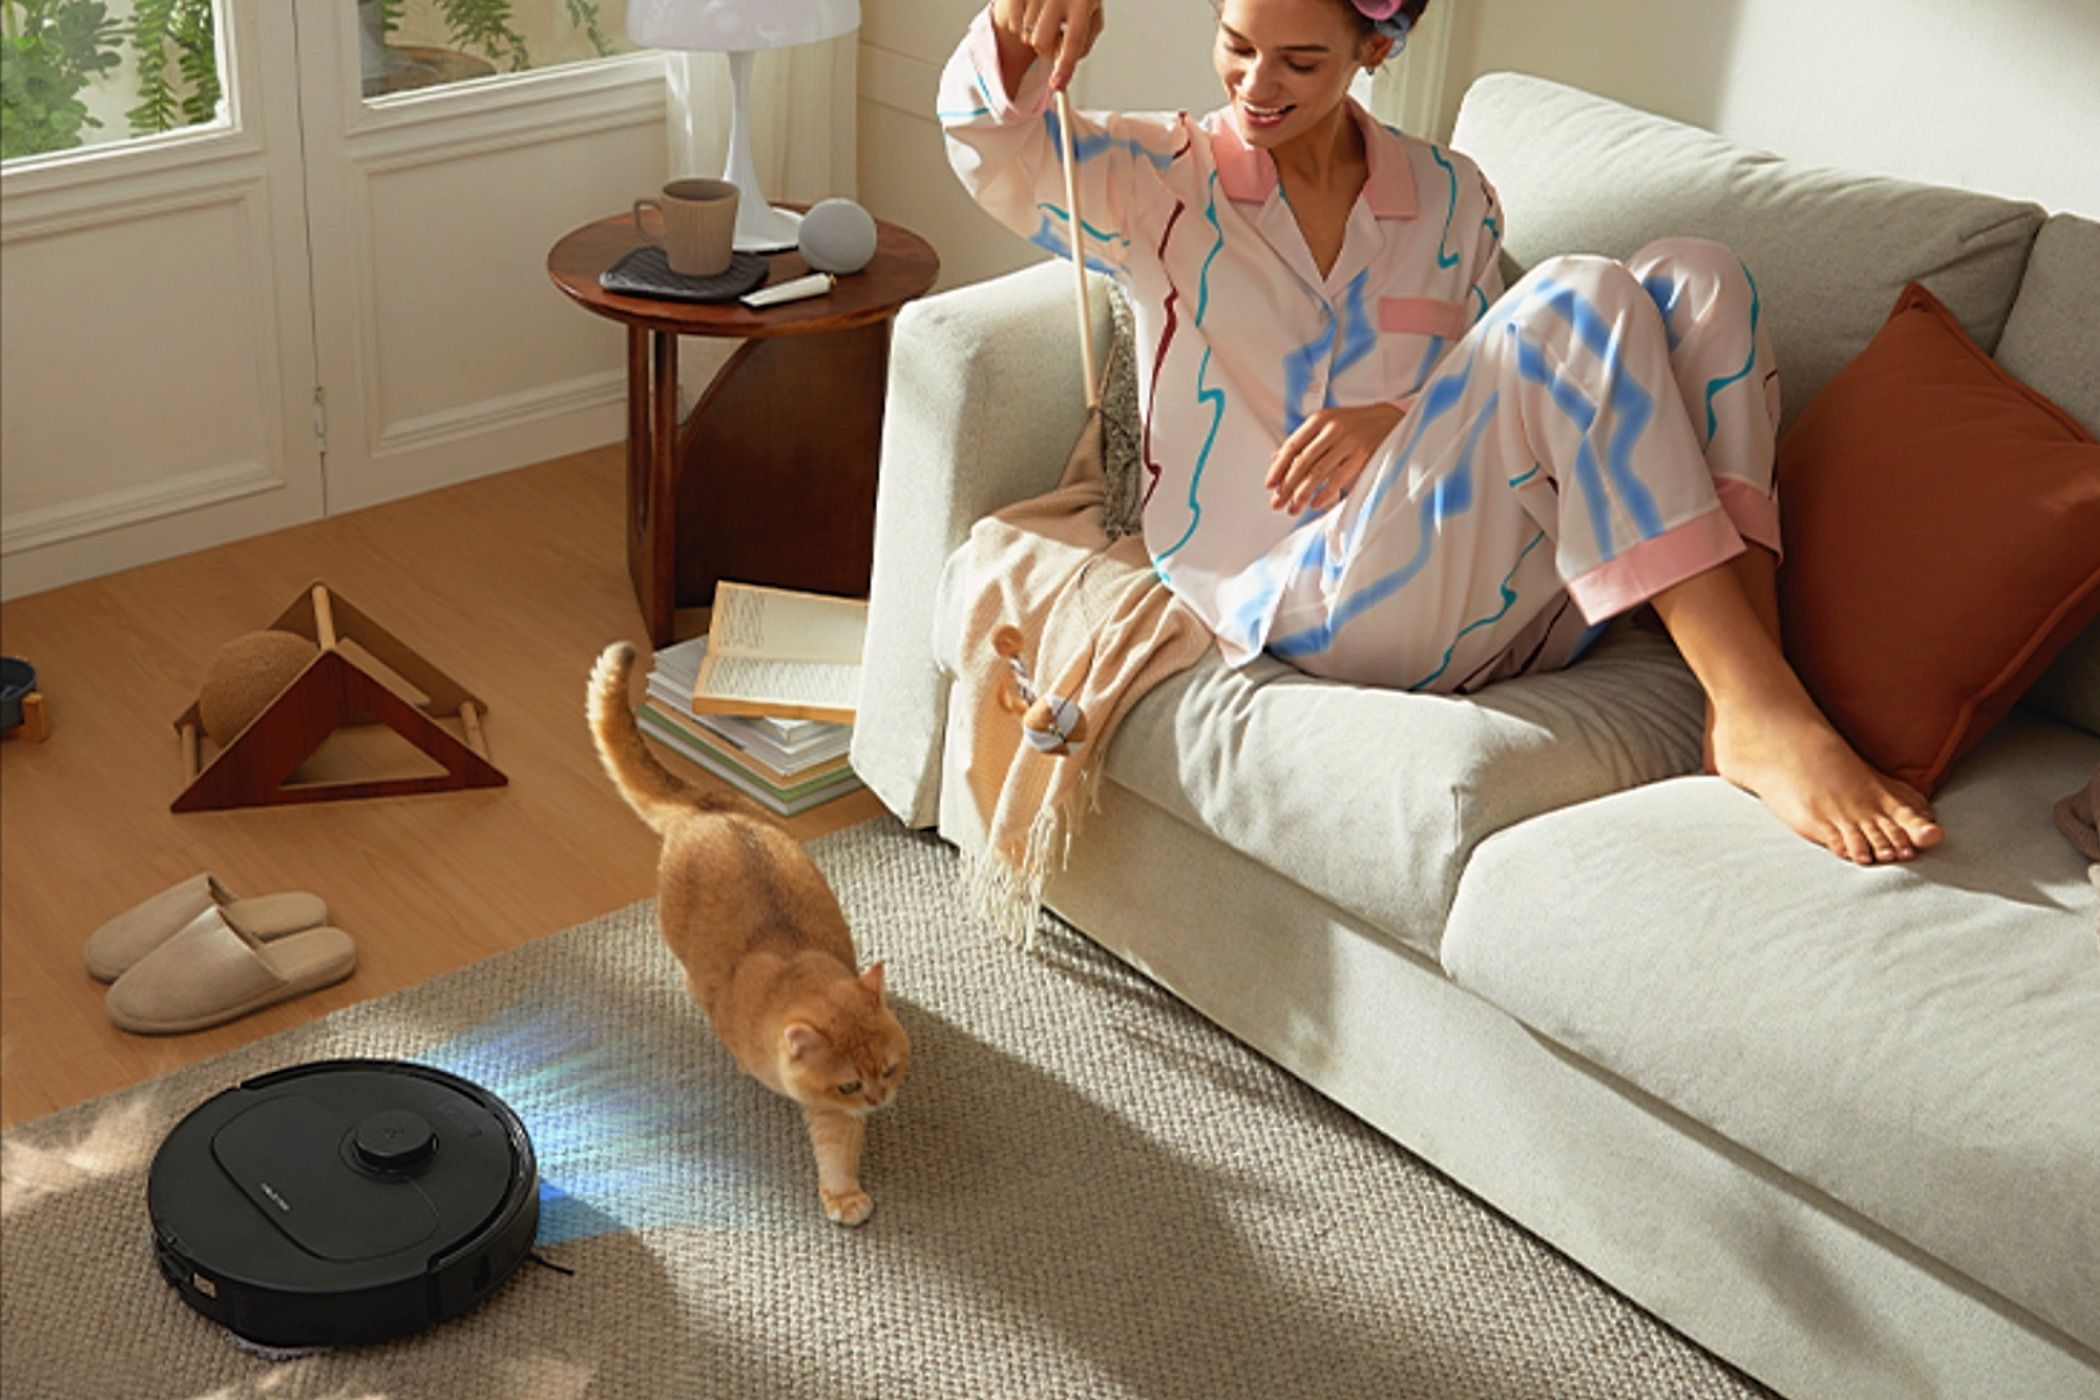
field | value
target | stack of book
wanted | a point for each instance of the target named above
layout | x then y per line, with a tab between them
788	765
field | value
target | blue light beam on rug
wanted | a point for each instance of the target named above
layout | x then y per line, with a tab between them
631	1127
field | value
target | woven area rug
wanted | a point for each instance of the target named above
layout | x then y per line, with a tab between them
1083	1190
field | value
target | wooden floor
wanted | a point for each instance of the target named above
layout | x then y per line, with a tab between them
511	585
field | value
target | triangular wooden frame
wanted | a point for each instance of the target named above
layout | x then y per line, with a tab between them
335	689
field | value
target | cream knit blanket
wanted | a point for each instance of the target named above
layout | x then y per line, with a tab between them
1098	628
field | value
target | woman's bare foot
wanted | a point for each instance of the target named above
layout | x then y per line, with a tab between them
1800	767
1764	732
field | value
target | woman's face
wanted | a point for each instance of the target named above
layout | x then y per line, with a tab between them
1286	64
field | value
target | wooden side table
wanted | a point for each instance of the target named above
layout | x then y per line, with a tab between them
771	478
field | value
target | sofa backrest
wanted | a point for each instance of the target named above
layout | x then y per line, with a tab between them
2052	341
1830	250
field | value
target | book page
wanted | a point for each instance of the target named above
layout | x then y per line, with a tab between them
679	664
754	621
819	684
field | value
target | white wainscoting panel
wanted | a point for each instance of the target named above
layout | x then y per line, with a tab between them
446	352
88	442
466	327
156	340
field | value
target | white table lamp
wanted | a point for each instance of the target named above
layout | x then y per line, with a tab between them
739	28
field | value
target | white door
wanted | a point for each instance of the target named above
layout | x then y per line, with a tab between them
156	339
445	353
321	300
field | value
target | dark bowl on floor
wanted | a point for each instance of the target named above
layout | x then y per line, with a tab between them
17	679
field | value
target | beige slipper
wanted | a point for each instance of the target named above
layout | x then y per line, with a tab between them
114	947
211	972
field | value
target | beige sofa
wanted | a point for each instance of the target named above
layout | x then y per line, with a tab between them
1840	1126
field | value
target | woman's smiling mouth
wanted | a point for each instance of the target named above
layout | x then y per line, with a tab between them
1265	116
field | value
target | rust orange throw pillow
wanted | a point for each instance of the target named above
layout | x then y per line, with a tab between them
1942	531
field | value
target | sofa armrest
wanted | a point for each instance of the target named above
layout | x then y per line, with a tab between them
985	401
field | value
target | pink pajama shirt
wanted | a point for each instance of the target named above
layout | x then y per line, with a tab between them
1569	449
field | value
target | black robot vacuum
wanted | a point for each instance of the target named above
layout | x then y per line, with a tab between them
344	1201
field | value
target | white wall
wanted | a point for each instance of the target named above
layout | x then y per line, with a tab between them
1995	95
1153	54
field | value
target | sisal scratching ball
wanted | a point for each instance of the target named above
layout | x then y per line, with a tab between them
248	673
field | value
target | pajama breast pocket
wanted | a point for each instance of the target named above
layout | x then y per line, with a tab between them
1413	333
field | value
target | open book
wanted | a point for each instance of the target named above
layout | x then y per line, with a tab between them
772	652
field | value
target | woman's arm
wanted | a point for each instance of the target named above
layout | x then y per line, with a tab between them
1003	140
1487	254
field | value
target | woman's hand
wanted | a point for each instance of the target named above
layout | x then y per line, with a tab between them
1062	30
1318	464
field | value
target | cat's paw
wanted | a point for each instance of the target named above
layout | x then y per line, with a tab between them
847	1207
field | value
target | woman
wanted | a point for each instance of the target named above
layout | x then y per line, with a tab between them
1362	455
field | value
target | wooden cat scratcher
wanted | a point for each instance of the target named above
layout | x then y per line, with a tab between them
333	690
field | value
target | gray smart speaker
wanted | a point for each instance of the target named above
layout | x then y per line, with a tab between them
838	236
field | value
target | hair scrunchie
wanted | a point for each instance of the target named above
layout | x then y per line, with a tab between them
1389	17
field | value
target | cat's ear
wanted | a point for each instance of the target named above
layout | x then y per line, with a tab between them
800	1038
872	980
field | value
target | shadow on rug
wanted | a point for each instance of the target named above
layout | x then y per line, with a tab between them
1084	1189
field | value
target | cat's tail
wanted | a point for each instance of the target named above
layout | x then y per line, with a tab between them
657	795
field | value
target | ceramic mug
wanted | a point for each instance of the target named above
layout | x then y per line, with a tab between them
699	223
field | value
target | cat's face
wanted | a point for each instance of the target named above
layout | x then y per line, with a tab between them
847	1053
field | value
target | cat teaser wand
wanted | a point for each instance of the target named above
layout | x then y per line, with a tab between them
1052	724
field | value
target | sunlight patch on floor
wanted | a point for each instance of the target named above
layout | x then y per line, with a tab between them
117	1141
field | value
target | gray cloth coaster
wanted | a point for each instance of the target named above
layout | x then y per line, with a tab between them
646	272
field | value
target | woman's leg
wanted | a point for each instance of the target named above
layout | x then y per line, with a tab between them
1764	732
1553	457
1729	383
1770	739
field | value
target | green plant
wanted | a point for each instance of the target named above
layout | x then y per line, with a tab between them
49	51
186	27
485	24
584	15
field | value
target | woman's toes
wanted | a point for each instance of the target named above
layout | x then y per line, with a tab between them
1878	841
1853	844
1922	829
1913	813
1898	838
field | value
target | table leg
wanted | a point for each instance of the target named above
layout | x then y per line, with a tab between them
776	483
638	459
658	542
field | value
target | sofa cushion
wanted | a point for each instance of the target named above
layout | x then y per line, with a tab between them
1925	451
2052	341
1917	1041
1829	249
1373	799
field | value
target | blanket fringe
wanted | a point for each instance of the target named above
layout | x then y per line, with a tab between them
1005	889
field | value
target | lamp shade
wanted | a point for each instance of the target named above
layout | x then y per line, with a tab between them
738	26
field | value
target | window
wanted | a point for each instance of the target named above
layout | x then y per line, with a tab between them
88	72
405	45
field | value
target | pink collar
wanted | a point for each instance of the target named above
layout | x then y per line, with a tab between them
1248	173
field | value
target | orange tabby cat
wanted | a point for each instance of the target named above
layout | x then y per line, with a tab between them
765	947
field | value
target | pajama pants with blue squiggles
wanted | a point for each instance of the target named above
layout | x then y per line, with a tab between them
1605	432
